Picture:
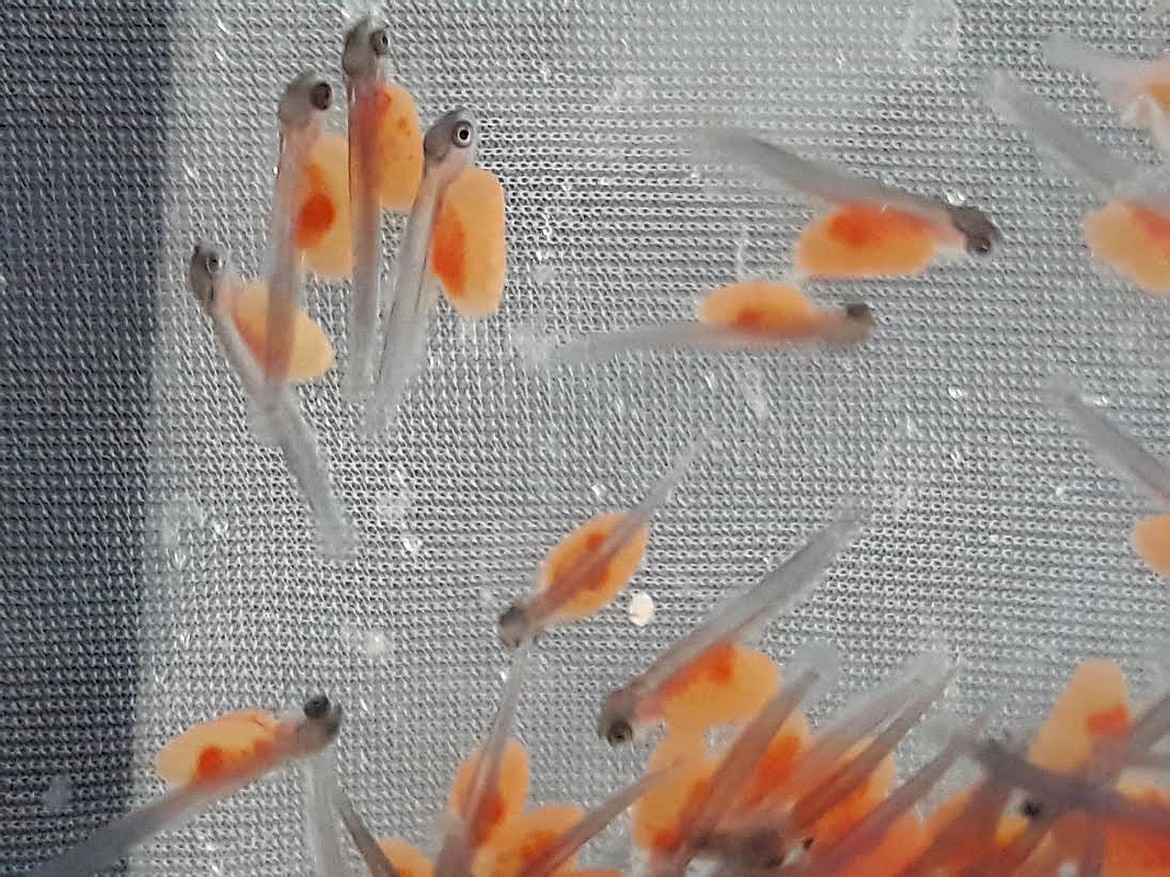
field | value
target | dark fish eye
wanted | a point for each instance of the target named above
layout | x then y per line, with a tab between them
316	707
321	96
619	732
212	263
980	245
461	136
380	41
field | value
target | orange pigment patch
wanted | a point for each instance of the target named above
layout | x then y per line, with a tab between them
728	683
778	761
657	813
861	240
322	226
215	747
1130	853
524	839
1134	241
566	559
1159	92
971	848
400	148
504	802
311	354
774	309
409	861
856	805
1094	703
468	246
1150	538
905	840
1113	722
316	214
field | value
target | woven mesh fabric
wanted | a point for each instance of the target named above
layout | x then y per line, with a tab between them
81	161
997	537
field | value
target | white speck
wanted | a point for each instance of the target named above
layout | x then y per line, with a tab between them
411	543
57	797
629	90
1061	491
741	271
903	499
531	344
641	608
375	643
394	503
219	526
599	490
932	28
752	387
179	557
956	393
544	275
223	26
169	530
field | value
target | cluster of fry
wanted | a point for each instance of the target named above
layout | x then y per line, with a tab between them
774	796
331	191
739	778
1131	232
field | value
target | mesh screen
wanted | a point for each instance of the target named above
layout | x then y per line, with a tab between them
997	537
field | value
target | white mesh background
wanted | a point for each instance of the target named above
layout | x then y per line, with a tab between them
998	537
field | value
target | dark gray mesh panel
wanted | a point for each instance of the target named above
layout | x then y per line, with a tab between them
996	537
81	187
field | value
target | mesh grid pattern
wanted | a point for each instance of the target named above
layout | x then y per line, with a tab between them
80	220
997	537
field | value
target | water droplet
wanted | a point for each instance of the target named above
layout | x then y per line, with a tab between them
531	344
169	531
394	504
752	387
903	500
956	393
544	275
599	490
411	543
375	643
641	608
741	271
931	30
58	796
